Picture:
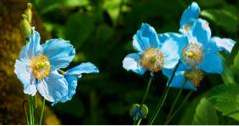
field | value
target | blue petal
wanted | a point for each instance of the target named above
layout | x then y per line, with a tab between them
201	31
132	62
212	63
170	52
181	40
181	67
59	52
53	88
224	44
33	47
191	13
24	75
179	80
146	37
72	76
83	68
72	85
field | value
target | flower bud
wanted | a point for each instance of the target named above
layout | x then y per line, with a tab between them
28	12
25	26
138	111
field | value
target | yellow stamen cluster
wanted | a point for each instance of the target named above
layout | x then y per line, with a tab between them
152	59
195	76
192	54
40	66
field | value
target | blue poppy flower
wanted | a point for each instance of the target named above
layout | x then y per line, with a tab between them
73	74
37	67
199	53
152	53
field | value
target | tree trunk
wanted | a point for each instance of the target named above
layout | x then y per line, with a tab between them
11	42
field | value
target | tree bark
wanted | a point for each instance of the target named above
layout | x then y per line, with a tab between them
11	41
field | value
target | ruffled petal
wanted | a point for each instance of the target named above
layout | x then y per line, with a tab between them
132	62
24	75
146	37
72	85
181	40
73	74
224	44
33	47
212	63
170	52
53	88
201	31
83	68
59	52
191	13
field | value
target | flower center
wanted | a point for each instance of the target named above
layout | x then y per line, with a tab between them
195	76
40	66
192	53
152	59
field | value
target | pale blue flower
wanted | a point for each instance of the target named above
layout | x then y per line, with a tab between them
196	30
37	67
152	53
205	52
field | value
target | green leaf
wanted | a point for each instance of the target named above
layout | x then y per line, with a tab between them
225	98
113	7
50	5
236	62
210	3
79	28
228	76
226	17
187	115
205	113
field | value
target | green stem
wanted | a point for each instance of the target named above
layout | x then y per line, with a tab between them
160	104
31	105
147	89
146	94
176	100
42	111
139	122
26	113
33	109
182	104
30	110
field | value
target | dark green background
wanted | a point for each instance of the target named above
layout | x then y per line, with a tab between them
102	30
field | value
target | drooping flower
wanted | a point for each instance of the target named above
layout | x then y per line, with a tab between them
152	53
199	54
75	73
37	67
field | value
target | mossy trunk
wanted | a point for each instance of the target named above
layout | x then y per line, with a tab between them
11	42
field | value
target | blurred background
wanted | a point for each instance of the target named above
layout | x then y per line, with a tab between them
101	31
